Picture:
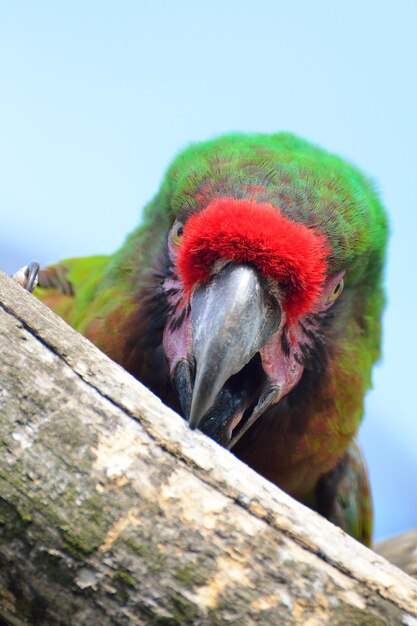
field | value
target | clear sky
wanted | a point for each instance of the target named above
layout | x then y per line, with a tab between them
97	97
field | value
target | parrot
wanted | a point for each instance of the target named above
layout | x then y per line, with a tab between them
250	301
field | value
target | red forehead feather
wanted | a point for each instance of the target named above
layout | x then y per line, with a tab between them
245	231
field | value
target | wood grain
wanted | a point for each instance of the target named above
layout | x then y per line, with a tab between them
113	512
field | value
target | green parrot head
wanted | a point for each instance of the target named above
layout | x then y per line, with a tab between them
266	299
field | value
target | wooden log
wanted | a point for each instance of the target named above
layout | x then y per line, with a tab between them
113	512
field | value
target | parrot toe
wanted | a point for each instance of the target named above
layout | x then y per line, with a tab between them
27	276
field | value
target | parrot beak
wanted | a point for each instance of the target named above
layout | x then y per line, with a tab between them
233	317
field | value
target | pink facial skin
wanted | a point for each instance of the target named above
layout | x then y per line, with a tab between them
178	342
284	371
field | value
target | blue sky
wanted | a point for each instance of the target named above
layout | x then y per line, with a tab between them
97	97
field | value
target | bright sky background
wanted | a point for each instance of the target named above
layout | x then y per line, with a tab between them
97	97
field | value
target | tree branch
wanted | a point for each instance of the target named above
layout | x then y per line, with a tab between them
113	512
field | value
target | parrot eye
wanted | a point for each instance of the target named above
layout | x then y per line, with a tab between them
177	233
336	291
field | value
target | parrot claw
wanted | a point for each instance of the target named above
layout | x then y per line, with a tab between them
27	276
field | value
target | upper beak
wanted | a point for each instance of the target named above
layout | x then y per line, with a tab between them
233	317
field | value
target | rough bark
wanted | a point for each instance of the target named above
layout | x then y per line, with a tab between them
113	512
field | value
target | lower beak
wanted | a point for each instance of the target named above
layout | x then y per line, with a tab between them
233	317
